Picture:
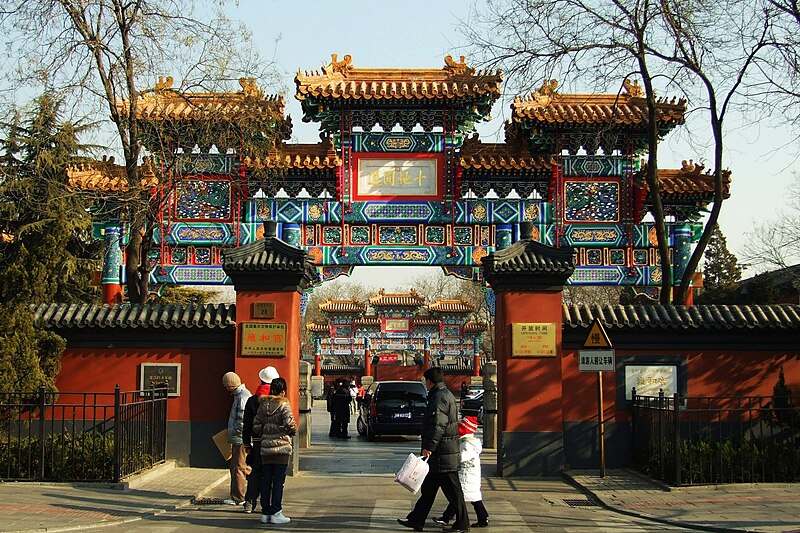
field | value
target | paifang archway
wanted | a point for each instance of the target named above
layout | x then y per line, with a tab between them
399	178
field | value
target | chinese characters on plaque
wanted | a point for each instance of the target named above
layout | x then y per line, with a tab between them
533	340
649	379
384	177
263	339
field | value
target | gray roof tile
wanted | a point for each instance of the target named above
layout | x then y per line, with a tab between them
698	317
221	316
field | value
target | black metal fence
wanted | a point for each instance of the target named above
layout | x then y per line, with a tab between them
709	440
81	436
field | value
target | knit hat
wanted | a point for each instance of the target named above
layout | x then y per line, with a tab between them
231	379
467	425
268	374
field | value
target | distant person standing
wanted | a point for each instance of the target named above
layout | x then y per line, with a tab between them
353	390
238	464
340	404
274	424
440	444
251	445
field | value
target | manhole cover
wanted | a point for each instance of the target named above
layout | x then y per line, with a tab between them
580	503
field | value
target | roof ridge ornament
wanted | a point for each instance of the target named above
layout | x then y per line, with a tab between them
342	67
250	88
544	94
633	89
458	68
163	83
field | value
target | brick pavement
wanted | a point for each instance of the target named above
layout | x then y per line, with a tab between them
751	507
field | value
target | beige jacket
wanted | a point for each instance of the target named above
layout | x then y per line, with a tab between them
274	424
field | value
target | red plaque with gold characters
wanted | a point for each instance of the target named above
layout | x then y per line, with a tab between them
263	339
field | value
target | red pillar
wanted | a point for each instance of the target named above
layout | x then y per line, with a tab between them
367	361
476	364
317	364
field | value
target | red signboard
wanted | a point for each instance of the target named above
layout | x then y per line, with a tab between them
388	358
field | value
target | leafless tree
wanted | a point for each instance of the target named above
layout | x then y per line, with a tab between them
775	244
104	54
699	49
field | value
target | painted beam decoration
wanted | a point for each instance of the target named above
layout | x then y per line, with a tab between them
400	178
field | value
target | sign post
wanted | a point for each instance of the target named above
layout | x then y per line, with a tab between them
598	356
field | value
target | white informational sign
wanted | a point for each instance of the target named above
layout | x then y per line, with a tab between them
596	360
649	379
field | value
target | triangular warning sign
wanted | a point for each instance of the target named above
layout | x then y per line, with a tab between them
597	337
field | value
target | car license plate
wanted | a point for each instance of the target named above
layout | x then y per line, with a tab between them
401	415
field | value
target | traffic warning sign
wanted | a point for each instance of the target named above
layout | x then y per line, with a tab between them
597	337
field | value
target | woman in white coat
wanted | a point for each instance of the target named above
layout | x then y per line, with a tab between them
469	473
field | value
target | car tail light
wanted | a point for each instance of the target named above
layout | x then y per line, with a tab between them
373	409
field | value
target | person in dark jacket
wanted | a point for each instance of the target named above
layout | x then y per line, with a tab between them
340	406
440	444
266	375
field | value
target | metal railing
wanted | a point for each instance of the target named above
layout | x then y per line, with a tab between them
710	440
81	436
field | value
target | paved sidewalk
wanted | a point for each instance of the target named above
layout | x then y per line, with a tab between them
346	485
751	507
75	507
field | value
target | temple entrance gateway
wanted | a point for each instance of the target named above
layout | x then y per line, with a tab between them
400	178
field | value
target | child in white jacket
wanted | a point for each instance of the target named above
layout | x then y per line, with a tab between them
469	473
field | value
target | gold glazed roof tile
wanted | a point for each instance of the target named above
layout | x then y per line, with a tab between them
340	80
426	321
164	102
474	326
343	306
106	176
317	326
406	299
689	180
546	104
501	156
451	306
299	156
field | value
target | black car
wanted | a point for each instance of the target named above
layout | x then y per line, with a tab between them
472	404
392	408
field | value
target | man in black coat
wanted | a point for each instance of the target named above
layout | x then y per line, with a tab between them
440	444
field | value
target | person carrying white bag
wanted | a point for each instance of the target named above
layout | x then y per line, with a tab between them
440	444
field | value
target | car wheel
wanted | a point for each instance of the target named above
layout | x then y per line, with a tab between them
361	427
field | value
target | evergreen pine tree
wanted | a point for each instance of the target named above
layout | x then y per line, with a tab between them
721	272
46	250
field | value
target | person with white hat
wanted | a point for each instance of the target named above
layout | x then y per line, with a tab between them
238	465
266	375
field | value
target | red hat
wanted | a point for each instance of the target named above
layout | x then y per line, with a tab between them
467	425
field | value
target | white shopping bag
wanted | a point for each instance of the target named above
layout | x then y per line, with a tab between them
412	473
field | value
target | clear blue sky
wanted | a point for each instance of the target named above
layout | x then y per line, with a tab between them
418	34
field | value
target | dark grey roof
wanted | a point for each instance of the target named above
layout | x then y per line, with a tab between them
697	317
220	316
268	253
530	256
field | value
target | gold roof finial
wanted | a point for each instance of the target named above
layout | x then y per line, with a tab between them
163	83
544	94
633	89
343	67
458	68
250	88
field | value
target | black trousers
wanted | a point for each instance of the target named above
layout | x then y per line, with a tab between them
480	510
451	487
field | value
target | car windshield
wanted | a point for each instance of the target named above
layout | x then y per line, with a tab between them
402	391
